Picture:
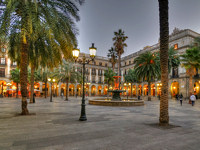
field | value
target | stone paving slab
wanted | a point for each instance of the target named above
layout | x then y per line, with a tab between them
55	126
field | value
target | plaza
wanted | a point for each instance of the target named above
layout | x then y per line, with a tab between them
55	126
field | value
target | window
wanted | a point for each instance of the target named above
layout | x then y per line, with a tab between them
129	62
3	50
175	46
125	63
105	64
93	79
100	72
100	63
3	61
93	71
2	72
99	79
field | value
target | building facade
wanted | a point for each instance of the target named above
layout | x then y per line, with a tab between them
180	40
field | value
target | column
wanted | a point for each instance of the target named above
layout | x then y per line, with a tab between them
122	76
90	77
41	88
96	76
103	76
89	90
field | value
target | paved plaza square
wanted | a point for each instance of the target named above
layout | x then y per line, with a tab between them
55	126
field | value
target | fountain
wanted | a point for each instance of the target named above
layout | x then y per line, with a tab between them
116	99
116	92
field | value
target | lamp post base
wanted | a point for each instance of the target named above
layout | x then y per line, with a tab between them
82	118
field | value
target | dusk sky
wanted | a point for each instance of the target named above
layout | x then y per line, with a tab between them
138	18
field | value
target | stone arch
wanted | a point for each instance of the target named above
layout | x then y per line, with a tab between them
153	90
174	88
105	90
71	90
93	90
99	90
145	89
79	90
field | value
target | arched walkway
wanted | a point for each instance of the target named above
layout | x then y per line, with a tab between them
196	88
93	90
174	89
71	90
87	90
62	89
140	90
159	85
37	88
153	90
105	91
145	89
99	90
47	89
79	90
134	90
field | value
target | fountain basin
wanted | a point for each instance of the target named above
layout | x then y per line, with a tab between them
122	103
116	94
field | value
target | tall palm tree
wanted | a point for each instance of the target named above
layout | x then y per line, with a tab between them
164	46
147	68
66	73
25	18
113	57
119	44
15	76
131	78
191	60
109	76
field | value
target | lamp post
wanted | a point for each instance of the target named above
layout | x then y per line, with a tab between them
84	61
51	80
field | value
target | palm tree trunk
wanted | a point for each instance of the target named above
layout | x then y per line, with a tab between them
67	84
17	90
164	46
32	82
119	68
190	85
45	92
149	91
113	65
131	89
23	76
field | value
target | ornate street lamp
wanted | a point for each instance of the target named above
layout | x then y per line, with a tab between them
84	61
51	80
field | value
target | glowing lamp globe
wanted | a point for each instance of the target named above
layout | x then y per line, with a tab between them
75	53
93	51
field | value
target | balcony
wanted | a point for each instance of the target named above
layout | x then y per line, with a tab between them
174	76
93	73
93	81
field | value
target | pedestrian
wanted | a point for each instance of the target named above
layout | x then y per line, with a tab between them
177	96
181	99
62	95
34	97
192	98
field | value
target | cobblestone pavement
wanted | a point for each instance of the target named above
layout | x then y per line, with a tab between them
55	126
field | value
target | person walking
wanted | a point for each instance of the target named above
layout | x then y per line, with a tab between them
34	97
193	99
181	99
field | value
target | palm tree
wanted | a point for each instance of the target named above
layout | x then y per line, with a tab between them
109	77
44	79
147	68
119	44
164	46
25	18
131	78
113	57
16	78
191	61
66	73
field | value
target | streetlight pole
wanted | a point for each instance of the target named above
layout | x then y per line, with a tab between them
84	62
51	81
51	93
